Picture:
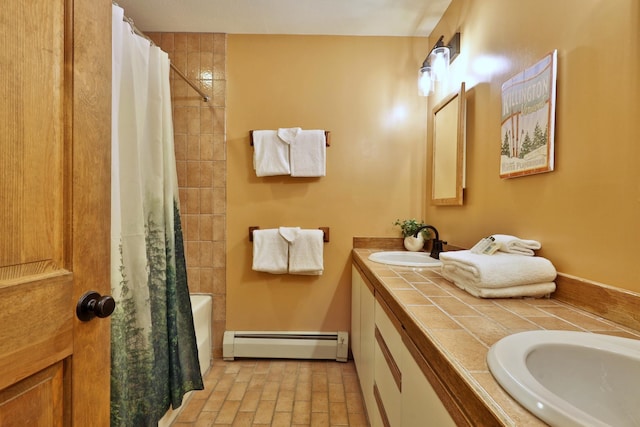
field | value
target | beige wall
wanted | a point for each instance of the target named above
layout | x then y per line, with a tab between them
586	213
361	89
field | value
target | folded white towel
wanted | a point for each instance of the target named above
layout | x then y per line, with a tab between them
500	270
535	290
515	245
270	154
288	135
289	233
306	253
308	154
270	251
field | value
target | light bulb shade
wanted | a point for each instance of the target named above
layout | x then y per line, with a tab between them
425	81
439	61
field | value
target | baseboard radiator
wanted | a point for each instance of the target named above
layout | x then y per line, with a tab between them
285	345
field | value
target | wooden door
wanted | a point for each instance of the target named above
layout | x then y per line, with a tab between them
55	95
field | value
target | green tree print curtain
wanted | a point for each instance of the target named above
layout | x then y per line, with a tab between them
154	357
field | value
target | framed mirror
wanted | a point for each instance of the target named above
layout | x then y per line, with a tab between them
448	149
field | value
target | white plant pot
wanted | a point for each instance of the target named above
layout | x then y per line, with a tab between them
414	244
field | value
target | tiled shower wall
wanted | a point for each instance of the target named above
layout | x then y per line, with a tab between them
200	139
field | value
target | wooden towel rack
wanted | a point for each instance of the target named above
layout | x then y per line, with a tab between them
327	137
325	230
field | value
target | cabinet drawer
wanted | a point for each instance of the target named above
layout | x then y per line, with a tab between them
387	385
387	372
389	328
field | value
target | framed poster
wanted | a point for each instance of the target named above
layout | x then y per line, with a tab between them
528	120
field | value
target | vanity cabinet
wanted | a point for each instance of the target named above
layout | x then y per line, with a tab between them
390	368
420	403
387	357
363	339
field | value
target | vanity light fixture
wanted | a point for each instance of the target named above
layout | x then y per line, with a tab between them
425	80
436	65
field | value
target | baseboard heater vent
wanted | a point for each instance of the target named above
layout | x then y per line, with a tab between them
286	345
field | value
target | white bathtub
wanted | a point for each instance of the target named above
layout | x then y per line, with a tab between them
201	304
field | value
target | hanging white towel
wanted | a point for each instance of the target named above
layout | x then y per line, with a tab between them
306	253
288	135
270	251
270	154
499	270
515	245
308	154
289	233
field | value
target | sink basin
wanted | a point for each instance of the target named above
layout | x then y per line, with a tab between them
571	378
405	259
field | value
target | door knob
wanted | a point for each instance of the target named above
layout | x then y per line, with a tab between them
92	304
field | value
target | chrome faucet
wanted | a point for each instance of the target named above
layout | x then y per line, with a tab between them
436	244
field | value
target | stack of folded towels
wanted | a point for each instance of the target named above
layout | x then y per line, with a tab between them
512	271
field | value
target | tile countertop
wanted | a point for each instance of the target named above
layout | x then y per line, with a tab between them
454	331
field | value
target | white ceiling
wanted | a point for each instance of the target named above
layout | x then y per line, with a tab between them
328	17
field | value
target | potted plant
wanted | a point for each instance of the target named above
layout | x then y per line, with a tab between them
409	228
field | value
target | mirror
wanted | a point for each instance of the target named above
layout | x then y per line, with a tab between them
448	149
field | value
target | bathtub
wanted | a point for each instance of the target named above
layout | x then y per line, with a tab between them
201	305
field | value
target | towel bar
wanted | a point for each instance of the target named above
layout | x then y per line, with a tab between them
325	230
327	136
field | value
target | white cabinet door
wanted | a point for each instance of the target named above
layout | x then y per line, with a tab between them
388	365
421	406
364	352
367	345
356	285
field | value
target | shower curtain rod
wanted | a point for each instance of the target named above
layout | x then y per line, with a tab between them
135	29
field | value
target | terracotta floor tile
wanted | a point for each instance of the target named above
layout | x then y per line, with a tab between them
215	401
281	419
264	413
351	383
303	391
319	382
243	419
206	418
237	391
285	401
250	401
227	412
320	419
270	390
358	420
301	412
354	402
319	401
276	393
336	392
190	412
225	383
338	413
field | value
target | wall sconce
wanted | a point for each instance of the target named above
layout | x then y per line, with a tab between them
425	80
436	65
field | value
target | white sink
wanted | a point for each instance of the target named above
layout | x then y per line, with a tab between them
571	378
405	259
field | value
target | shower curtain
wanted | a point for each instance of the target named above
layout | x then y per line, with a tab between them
154	357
